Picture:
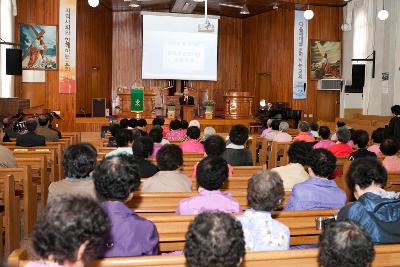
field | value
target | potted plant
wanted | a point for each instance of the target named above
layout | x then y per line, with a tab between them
171	106
209	105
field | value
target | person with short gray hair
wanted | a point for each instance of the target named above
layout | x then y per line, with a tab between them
283	136
304	134
341	148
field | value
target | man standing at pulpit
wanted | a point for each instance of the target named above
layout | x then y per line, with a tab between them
186	99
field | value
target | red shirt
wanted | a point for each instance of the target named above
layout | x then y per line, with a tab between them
303	136
341	150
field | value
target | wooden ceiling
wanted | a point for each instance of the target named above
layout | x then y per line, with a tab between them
214	8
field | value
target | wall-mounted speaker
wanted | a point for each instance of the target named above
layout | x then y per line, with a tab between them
98	107
13	61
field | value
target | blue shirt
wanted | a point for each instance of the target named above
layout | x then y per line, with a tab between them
262	233
316	194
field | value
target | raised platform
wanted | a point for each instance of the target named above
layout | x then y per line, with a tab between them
220	125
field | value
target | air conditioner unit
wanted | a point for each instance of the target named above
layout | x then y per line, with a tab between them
330	84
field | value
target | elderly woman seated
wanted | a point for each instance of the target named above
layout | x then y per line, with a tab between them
193	145
304	134
262	233
389	148
377	210
341	148
282	135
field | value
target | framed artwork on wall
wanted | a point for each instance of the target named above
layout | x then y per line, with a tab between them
326	60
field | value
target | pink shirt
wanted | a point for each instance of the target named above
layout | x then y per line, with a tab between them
192	146
376	149
156	147
174	135
208	201
282	137
165	131
391	163
324	144
303	136
265	132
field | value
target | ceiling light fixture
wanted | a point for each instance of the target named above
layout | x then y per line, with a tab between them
244	10
308	14
383	14
93	3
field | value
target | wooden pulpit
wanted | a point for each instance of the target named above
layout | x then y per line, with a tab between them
124	95
238	105
188	112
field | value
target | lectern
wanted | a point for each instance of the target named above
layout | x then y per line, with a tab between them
188	112
238	105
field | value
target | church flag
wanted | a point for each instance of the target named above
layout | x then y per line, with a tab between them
137	99
300	56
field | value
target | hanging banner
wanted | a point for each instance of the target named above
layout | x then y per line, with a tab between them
300	56
137	99
67	47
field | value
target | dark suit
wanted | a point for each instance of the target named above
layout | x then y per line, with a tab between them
190	100
31	139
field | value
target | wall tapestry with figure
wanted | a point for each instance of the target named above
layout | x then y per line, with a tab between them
326	60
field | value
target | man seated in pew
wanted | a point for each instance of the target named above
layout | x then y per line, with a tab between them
377	210
211	175
123	140
30	138
377	138
70	232
262	233
214	146
44	130
142	149
214	239
115	179
361	139
318	192
324	133
294	172
193	145
7	159
345	244
78	163
236	154
282	135
304	134
341	148
389	148
169	178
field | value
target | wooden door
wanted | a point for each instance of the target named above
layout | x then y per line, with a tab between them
263	90
328	105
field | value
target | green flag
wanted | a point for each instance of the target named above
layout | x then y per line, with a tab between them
137	98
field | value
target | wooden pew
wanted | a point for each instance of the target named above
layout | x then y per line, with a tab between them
386	256
23	179
172	228
279	156
50	157
39	174
238	171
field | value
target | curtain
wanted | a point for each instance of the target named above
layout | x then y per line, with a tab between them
7	11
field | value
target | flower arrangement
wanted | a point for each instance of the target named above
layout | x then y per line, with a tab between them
209	103
171	103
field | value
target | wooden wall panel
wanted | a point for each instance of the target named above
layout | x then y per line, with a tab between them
268	47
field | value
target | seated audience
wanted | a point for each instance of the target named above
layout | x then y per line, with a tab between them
8	130
339	124
389	148
124	123
324	133
114	129
123	141
156	133
70	232
377	210
78	163
377	138
341	148
141	126
282	135
294	172
304	134
115	179
274	130
132	123
262	233
393	129
318	193
169	178
314	127
208	131
142	149
214	146
175	132
361	139
159	120
345	244
267	128
7	159
49	134
214	239
193	145
184	126
236	154
30	138
211	175
194	123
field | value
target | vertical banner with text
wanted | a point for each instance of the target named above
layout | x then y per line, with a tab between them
67	47
300	56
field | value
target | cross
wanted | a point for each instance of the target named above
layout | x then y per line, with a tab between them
137	102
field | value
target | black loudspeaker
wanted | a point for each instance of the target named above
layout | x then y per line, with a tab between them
358	79
13	61
98	107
